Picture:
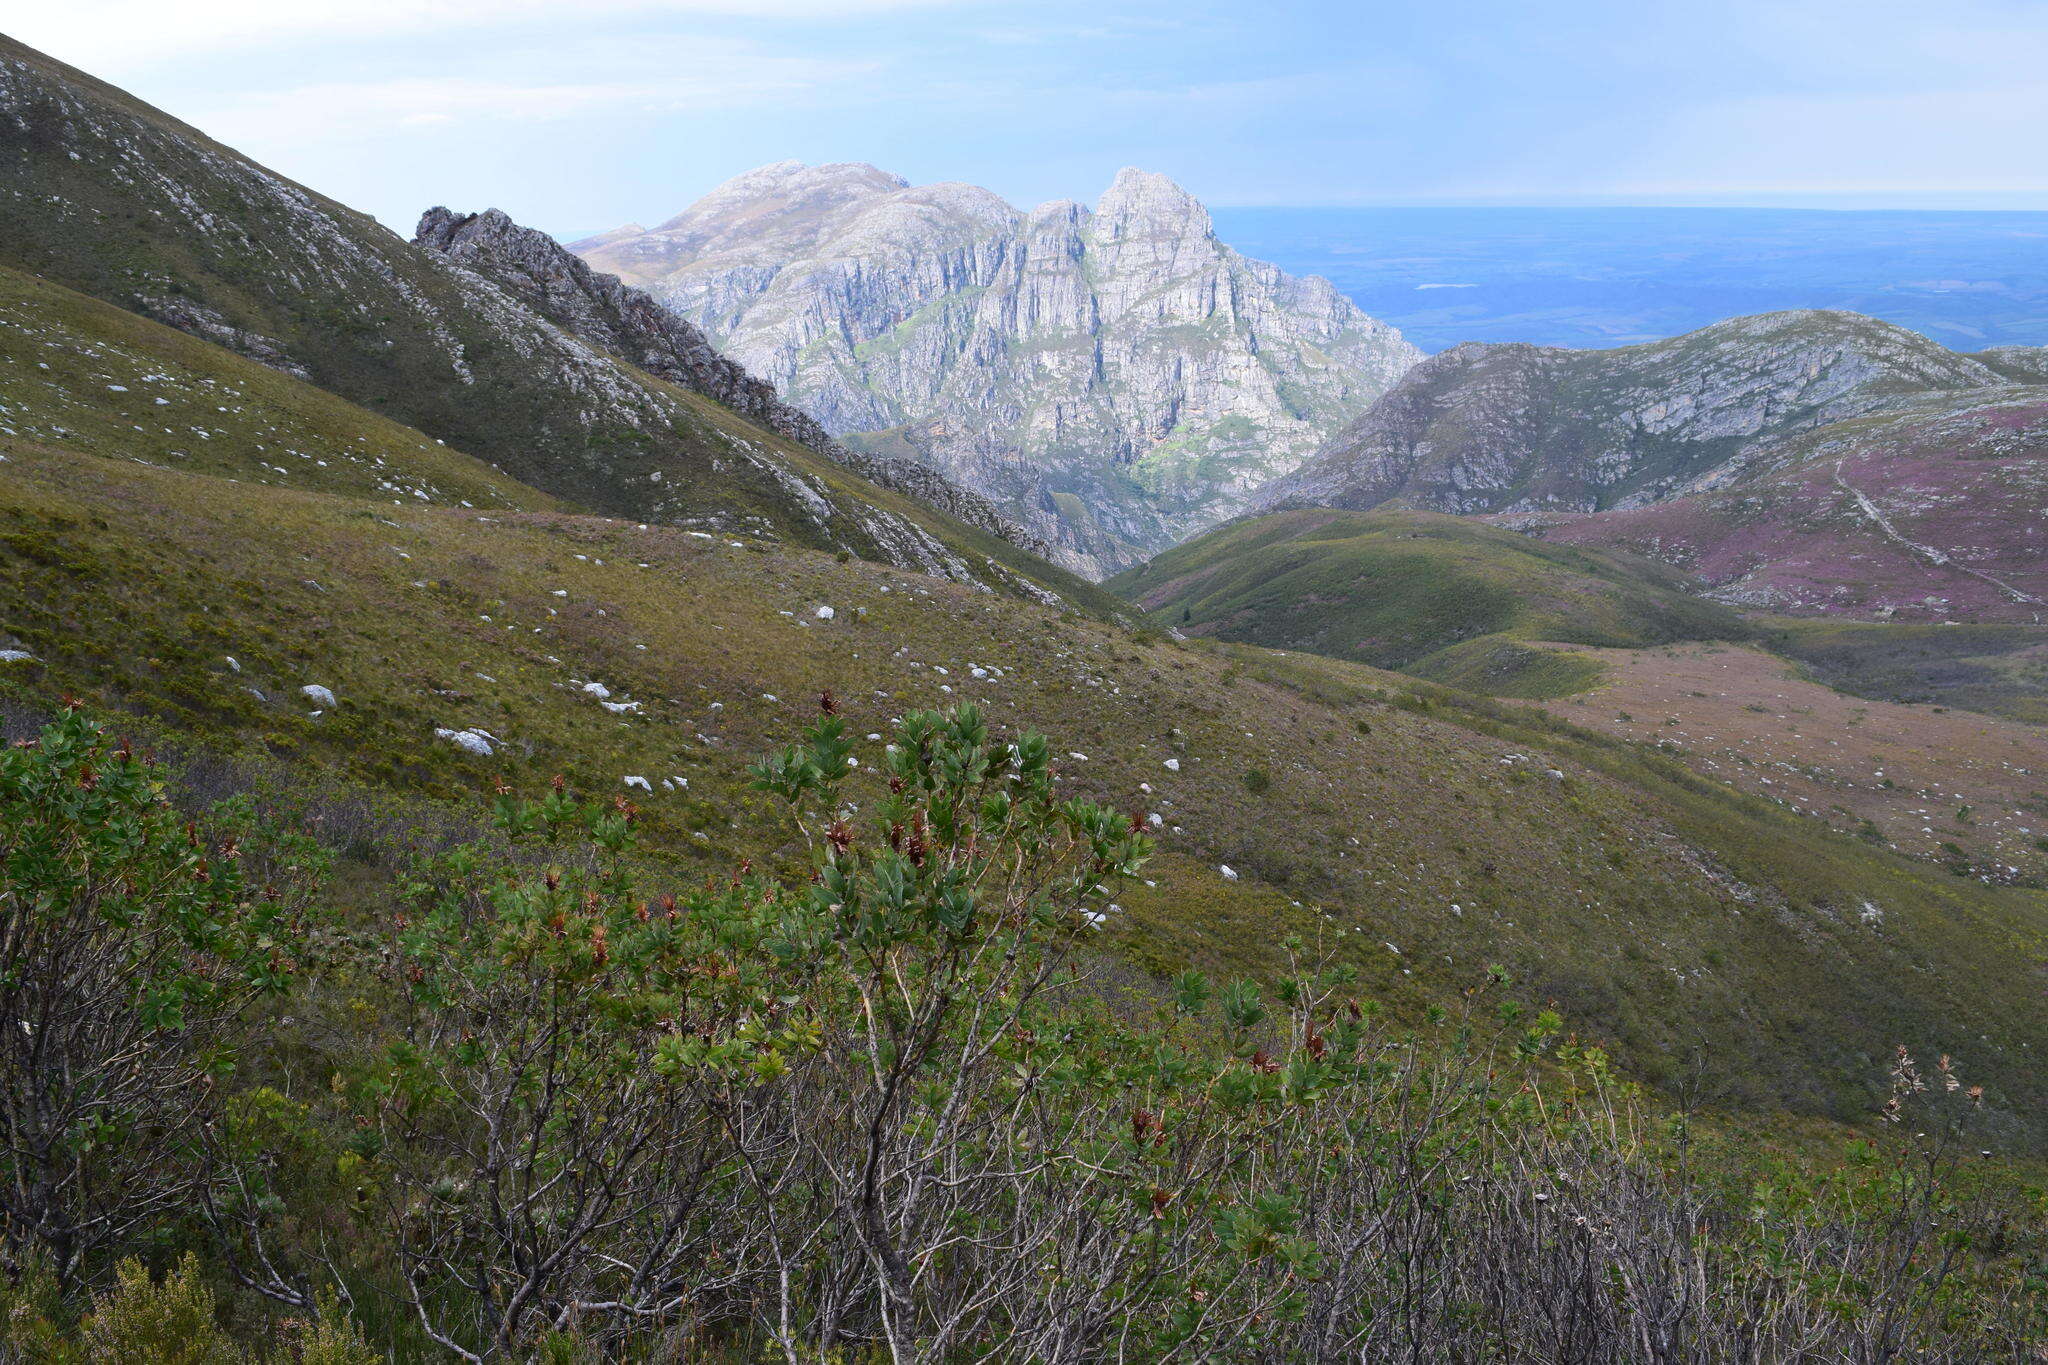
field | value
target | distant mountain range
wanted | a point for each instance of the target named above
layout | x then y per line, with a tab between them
1117	379
1514	428
1807	461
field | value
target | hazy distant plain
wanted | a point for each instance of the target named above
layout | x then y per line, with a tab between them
1612	276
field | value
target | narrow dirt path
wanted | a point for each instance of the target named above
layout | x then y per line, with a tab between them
1928	552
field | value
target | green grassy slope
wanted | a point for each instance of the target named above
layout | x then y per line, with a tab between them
1438	597
87	376
1687	926
106	195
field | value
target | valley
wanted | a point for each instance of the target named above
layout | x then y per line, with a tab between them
639	619
868	775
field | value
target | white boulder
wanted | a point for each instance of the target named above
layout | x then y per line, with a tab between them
469	741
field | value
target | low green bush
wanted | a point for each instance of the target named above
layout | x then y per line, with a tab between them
887	1108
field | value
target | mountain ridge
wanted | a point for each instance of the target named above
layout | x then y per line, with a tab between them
101	193
1511	427
1813	462
616	317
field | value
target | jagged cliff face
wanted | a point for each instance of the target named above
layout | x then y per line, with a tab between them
1117	379
1518	428
625	322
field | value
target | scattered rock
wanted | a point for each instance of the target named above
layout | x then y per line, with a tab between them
469	741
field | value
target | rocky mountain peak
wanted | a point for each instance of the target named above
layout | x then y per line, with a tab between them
624	322
780	208
1146	202
790	185
915	214
1112	379
1059	210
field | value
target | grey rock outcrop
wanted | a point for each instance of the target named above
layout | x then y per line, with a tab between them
1116	379
1517	428
617	318
2027	364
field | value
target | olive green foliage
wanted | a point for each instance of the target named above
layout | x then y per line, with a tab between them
429	617
889	1110
169	1320
597	1046
158	1322
130	939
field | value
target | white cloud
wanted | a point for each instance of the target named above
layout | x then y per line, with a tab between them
120	36
308	114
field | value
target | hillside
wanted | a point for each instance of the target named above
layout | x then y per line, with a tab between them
1931	512
1518	428
1628	895
1114	378
1998	670
108	196
1958	786
2027	364
523	841
90	377
1438	597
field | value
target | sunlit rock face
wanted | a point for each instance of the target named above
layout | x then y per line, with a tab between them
1114	378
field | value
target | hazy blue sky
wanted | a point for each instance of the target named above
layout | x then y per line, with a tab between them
584	113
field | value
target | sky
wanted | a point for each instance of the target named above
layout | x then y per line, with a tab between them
578	115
